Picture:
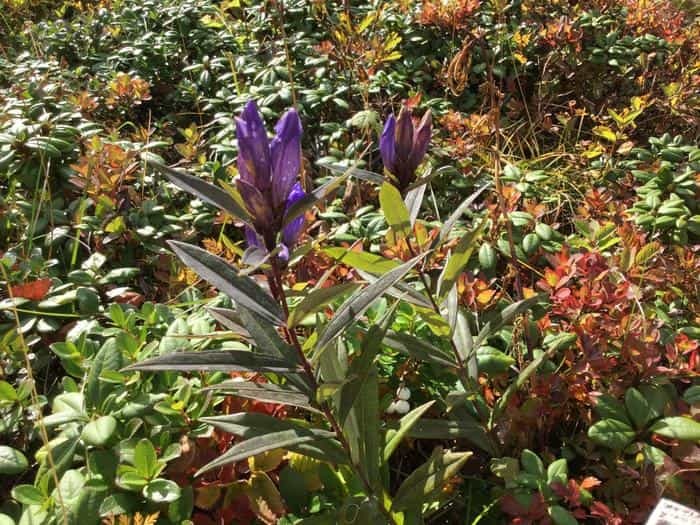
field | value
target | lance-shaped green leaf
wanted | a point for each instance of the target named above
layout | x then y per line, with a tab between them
418	349
364	261
266	338
413	201
452	220
464	343
402	291
243	290
265	392
427	480
678	427
231	320
394	436
358	403
459	258
464	428
394	210
523	376
311	199
357	303
252	424
358	173
319	299
504	317
203	190
285	439
269	342
217	360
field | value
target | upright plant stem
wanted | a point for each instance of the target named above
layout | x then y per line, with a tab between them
277	288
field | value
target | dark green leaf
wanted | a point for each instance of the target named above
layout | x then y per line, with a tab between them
462	428
219	360
319	299
243	290
286	439
418	349
452	220
504	317
428	479
251	424
356	305
406	423
265	392
678	427
611	433
203	190
161	491
98	432
12	461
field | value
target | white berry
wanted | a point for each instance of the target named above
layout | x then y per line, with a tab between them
403	393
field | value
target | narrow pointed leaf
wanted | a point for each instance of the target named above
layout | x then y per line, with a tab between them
311	199
427	480
459	258
252	424
464	343
418	349
285	439
467	429
401	290
394	210
504	317
231	320
265	392
363	261
356	305
243	290
452	220
317	300
358	173
202	189
413	201
216	360
395	436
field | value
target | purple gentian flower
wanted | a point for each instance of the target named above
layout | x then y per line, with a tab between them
268	172
404	145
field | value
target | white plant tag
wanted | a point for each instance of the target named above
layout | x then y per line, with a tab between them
669	512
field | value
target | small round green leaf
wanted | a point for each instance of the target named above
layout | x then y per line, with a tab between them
679	427
12	461
97	433
611	433
28	495
161	491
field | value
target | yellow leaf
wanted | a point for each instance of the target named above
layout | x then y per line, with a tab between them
605	132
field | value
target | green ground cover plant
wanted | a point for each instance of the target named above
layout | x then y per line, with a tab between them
304	262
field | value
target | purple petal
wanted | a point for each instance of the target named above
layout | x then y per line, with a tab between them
257	205
404	135
283	253
252	238
253	147
291	232
285	153
387	144
421	140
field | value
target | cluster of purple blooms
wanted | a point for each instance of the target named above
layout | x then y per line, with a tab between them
268	170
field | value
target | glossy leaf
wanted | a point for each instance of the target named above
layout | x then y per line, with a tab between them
428	479
202	190
356	305
216	360
243	290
